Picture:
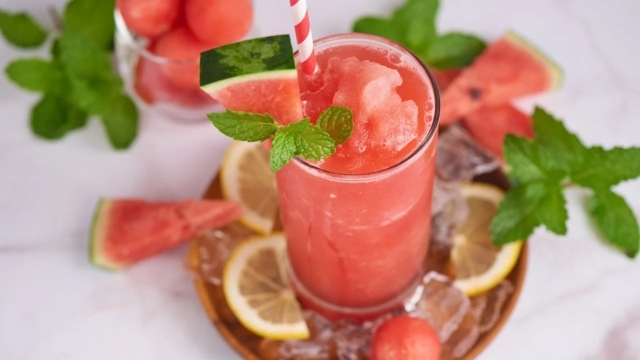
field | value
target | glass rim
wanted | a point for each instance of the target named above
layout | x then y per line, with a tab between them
123	31
436	113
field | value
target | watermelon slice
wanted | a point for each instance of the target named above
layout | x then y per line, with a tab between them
509	68
125	231
256	75
489	125
444	78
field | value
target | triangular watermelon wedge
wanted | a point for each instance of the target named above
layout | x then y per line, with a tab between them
489	126
257	75
125	231
508	69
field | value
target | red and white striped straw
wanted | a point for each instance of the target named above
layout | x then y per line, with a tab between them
306	52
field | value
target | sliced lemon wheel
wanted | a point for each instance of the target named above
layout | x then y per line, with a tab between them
477	263
246	177
256	288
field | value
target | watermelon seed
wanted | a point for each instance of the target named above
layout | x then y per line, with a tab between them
475	93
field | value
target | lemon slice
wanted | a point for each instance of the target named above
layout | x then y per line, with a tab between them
478	264
257	290
246	177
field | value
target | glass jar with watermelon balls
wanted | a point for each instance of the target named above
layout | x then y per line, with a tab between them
158	45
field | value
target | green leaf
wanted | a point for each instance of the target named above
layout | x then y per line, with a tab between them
244	126
53	117
516	217
552	210
550	133
283	149
528	161
337	121
377	26
121	122
33	74
415	24
454	50
93	19
21	30
82	57
312	143
95	93
616	221
606	168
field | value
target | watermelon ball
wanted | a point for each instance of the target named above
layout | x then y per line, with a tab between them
149	18
180	44
405	338
219	22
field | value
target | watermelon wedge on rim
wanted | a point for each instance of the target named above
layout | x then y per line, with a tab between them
508	69
125	231
256	75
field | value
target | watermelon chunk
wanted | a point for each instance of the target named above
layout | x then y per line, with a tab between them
256	75
508	69
489	125
126	231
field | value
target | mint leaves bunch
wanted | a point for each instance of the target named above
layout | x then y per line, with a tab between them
78	81
413	25
542	168
312	142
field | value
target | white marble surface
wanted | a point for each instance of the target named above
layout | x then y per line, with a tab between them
580	301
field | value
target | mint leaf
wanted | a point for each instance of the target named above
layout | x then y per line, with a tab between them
528	161
33	74
82	57
616	221
95	93
244	126
21	30
550	133
53	117
93	19
516	217
283	149
377	26
312	143
454	50
121	121
552	210
606	168
337	121
415	24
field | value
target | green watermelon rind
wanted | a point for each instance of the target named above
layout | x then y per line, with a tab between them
553	69
251	57
214	87
99	225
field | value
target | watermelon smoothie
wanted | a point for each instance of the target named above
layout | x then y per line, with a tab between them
357	223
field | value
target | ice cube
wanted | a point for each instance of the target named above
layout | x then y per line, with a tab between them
440	303
460	158
462	339
213	248
321	344
488	306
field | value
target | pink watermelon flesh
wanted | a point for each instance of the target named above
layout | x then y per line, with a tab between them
126	231
277	96
509	68
444	78
489	126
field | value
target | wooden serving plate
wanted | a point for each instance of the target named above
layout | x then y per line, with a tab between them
247	344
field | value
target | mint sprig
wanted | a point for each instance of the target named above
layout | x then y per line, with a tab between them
301	138
413	25
542	168
79	80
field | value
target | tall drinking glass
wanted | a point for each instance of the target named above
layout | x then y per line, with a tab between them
357	225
